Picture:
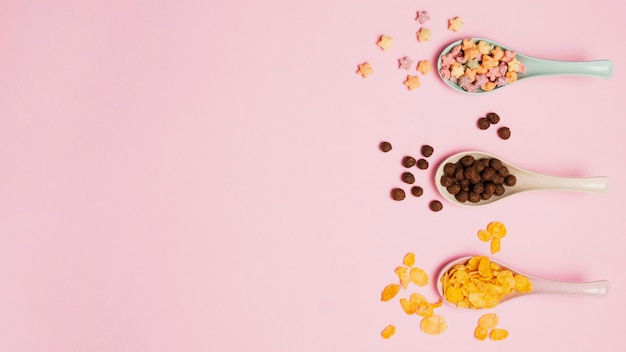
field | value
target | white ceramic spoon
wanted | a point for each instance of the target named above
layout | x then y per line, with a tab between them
536	67
539	285
526	181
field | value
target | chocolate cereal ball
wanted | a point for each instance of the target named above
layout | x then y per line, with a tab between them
483	123
422	164
408	161
385	146
397	194
435	205
417	191
408	177
493	118
504	133
427	150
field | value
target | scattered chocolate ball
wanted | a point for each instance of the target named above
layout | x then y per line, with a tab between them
422	164
493	118
408	161
504	133
385	146
417	191
397	194
435	205
483	123
408	177
449	168
427	150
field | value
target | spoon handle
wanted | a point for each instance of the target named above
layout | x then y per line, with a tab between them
598	184
598	68
595	288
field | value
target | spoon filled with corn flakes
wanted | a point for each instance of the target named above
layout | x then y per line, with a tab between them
478	65
479	282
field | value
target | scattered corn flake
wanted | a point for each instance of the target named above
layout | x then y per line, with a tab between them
409	259
522	284
425	310
403	274
455	24
417	298
434	325
418	276
405	63
412	82
389	292
498	334
495	245
484	235
388	331
497	229
424	67
422	17
488	321
365	69
408	306
480	333
423	35
385	42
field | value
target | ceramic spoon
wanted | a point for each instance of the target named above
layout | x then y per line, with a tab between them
526	181
539	285
538	67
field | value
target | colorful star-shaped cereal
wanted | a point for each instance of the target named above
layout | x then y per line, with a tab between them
455	24
422	17
424	66
385	42
405	63
412	82
423	35
365	69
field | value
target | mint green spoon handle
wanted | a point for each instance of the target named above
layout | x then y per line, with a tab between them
542	67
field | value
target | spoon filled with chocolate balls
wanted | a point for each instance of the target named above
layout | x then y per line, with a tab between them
474	178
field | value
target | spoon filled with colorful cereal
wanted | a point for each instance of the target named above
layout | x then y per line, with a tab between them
474	178
478	282
478	65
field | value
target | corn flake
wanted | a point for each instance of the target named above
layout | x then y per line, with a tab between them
434	325
484	235
418	276
488	321
389	292
409	259
480	333
403	274
388	331
498	334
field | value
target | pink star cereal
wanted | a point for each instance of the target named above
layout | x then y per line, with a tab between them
365	69
412	82
455	24
385	42
405	63
424	67
423	35
476	64
422	17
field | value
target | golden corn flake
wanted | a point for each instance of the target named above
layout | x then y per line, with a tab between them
388	331
425	310
495	245
417	298
481	283
409	259
408	306
488	321
497	229
418	276
484	235
480	333
389	292
498	334
403	275
434	325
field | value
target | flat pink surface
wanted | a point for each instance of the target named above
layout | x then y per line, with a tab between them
205	175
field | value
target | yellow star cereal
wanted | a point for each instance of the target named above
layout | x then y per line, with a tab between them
365	69
423	35
388	331
385	42
412	82
389	292
424	67
455	24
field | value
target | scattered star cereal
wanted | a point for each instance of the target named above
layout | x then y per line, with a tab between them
405	63
412	82
455	24
424	67
385	42
422	17
365	69
423	35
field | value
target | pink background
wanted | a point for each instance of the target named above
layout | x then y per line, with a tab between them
204	175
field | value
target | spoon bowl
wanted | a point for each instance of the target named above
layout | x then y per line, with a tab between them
539	285
526	181
536	67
